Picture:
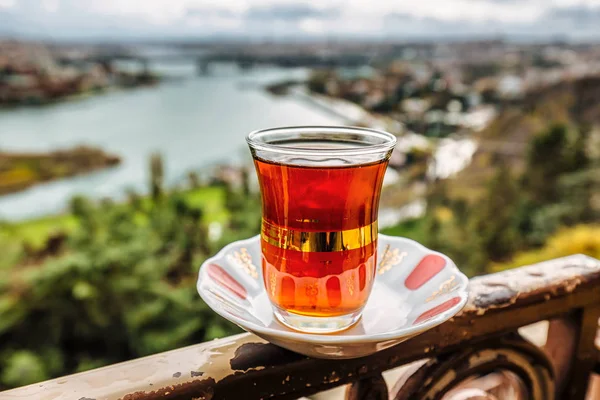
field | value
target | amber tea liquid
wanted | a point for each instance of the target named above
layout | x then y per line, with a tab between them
319	235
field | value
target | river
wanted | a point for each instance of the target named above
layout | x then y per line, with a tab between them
194	121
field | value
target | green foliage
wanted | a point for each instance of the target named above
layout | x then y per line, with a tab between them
194	180
245	214
123	285
557	184
15	238
580	239
212	201
552	153
481	70
494	218
123	288
235	200
412	229
317	81
22	367
156	176
388	105
515	215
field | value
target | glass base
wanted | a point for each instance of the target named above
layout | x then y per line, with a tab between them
308	324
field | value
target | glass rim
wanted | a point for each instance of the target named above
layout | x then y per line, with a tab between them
365	149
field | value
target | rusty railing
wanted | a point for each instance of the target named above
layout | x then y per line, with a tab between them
479	354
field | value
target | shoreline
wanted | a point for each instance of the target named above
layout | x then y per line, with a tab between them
77	96
351	112
450	155
20	171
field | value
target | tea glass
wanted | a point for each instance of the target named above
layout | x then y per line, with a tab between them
320	190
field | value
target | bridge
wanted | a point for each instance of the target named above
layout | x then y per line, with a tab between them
204	61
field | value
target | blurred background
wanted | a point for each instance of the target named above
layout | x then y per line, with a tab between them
123	163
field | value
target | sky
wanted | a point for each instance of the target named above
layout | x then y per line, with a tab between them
71	19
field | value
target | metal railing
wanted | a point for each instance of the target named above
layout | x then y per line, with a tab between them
477	353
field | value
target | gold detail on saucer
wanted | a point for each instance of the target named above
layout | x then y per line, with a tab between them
390	258
445	288
244	260
309	241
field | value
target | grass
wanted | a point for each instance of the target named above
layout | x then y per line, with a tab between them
11	251
412	229
35	232
580	239
211	200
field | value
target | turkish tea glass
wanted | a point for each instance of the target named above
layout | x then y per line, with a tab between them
320	189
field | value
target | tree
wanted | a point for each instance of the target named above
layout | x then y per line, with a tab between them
548	157
134	199
83	209
579	157
577	190
558	183
123	288
317	81
433	232
245	182
494	217
194	180
438	195
156	176
235	200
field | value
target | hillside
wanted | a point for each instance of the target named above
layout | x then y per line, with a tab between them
576	103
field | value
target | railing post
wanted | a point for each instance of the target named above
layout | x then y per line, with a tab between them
586	353
560	347
373	388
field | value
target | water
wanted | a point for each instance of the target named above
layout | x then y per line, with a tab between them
194	122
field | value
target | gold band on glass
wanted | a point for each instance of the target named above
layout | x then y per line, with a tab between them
289	239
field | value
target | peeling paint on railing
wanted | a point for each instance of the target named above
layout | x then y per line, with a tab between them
246	367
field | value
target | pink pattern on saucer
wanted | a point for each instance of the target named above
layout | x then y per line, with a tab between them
415	289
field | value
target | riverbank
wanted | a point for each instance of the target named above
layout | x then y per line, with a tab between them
34	74
353	114
417	159
19	171
20	90
194	124
450	155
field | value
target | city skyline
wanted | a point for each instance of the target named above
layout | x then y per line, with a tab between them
71	19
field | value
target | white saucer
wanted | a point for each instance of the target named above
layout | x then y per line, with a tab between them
415	289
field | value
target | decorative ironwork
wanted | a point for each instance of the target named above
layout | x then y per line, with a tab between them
466	370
